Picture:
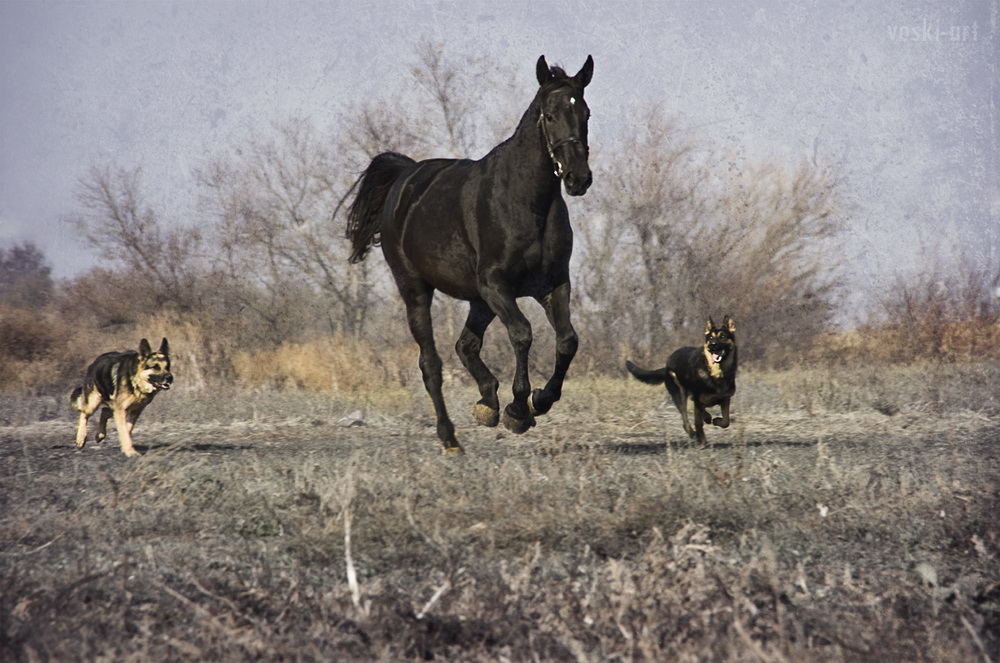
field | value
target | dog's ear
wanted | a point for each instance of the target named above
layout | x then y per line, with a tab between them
709	326
144	349
730	325
164	347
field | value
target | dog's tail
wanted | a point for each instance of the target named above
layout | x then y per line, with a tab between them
658	376
74	397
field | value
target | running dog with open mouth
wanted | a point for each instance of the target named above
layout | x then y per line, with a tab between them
124	383
706	375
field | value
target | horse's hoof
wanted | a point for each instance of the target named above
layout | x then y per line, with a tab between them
484	415
453	450
517	426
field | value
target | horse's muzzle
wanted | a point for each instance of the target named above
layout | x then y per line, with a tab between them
577	184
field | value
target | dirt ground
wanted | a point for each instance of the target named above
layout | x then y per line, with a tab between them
286	526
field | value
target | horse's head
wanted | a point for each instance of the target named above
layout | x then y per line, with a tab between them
563	119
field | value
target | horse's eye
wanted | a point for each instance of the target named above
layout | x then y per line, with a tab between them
548	117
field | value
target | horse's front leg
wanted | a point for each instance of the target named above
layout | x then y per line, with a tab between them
498	295
556	305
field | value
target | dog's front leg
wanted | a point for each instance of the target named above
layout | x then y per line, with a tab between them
699	422
723	421
124	426
81	430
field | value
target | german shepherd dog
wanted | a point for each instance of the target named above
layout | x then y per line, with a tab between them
706	375
124	383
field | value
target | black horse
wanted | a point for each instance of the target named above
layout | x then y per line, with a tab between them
488	232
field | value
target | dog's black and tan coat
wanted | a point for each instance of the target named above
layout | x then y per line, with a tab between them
122	384
706	375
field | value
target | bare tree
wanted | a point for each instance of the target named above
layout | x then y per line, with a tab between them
274	197
948	308
686	229
636	239
127	234
466	122
25	277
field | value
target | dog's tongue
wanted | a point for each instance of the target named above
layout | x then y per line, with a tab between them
716	358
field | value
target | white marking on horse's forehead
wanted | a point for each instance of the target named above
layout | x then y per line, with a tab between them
564	95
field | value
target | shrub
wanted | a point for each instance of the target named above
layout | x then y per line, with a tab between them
336	363
947	311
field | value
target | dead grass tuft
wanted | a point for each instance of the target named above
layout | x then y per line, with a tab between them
334	364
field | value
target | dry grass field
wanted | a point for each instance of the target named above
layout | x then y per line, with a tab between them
849	514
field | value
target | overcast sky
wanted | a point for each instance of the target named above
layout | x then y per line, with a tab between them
903	94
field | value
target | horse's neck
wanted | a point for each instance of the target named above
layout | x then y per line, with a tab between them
525	152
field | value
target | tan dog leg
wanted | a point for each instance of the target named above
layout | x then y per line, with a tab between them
124	427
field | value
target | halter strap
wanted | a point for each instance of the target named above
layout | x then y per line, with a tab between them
552	147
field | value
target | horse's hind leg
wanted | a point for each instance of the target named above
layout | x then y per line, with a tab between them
556	305
418	315
486	412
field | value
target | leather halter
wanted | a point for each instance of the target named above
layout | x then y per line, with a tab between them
552	147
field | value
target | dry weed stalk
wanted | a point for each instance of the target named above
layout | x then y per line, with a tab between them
345	497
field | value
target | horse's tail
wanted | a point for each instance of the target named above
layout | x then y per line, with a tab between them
364	218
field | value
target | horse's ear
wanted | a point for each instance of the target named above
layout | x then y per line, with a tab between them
542	71
586	72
